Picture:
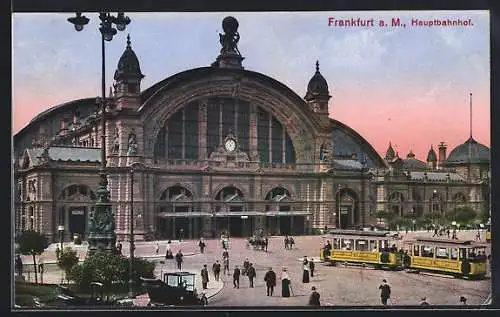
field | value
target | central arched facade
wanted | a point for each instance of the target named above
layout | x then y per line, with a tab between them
203	106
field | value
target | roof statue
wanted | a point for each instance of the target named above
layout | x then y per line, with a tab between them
230	56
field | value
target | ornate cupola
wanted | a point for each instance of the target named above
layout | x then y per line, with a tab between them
390	154
128	78
317	95
432	158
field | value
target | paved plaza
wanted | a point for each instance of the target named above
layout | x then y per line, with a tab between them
338	285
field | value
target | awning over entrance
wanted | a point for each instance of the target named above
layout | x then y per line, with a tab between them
234	214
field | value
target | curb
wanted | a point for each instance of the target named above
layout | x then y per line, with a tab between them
81	260
218	291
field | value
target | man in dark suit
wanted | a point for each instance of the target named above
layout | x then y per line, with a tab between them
314	298
251	274
270	279
236	277
385	292
204	276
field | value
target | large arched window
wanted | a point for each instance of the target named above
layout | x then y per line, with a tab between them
229	199
176	199
396	200
180	137
278	199
418	208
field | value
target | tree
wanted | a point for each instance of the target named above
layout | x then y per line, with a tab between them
32	243
66	260
465	215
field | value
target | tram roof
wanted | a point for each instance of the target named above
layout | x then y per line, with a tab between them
359	233
449	242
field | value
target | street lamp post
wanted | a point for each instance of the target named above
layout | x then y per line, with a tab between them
98	238
339	188
132	246
60	229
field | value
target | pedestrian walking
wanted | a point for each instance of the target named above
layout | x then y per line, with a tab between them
287	242
225	255
270	279
19	265
454	234
266	243
423	302
435	233
181	235
203	299
314	298
178	259
246	265
291	241
305	275
41	270
285	283
157	248
204	277
201	244
168	253
58	252
311	267
216	270
478	235
236	277
448	232
251	274
385	292
226	266
463	300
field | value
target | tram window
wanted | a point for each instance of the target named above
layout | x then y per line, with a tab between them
336	243
454	254
427	251
373	245
442	253
383	245
362	245
416	251
347	244
463	254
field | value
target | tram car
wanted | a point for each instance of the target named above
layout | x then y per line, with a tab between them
377	248
460	258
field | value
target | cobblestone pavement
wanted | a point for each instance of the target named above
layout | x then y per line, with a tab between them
337	285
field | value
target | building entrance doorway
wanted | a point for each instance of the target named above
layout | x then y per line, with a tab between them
77	220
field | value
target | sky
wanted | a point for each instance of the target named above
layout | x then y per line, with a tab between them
406	85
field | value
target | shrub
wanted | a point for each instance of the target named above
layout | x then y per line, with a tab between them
67	259
109	269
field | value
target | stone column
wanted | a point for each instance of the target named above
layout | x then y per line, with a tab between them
202	130
254	154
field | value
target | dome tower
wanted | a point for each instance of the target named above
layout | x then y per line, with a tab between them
128	78
317	95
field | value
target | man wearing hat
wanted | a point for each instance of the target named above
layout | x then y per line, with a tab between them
314	298
204	277
385	292
423	302
270	279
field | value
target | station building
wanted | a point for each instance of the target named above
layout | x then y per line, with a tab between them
224	148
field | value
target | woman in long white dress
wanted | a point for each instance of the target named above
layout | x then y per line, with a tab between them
285	284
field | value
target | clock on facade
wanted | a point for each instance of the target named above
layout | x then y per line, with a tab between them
230	145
